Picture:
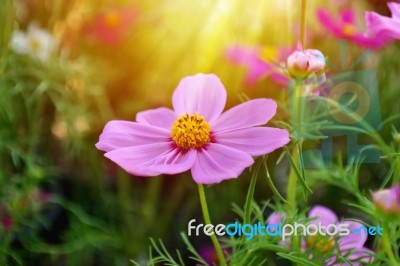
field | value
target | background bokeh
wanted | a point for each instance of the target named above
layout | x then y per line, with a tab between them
61	201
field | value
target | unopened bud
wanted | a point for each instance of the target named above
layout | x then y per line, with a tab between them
300	64
388	200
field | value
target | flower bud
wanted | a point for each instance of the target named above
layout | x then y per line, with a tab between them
388	200
300	64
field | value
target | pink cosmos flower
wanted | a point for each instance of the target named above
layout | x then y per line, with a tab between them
302	63
260	64
388	200
385	29
345	28
351	246
195	136
110	25
307	65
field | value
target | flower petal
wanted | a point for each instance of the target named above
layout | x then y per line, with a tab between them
152	159
355	239
358	257
255	141
275	218
362	255
395	9
19	42
249	114
329	22
119	134
348	16
159	117
217	162
202	93
323	215
250	58
176	161
384	28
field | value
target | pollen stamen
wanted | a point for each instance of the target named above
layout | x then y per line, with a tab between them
348	30
191	131
320	243
34	44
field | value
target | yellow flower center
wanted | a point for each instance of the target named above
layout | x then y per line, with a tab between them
112	19
348	30
34	44
320	243
190	131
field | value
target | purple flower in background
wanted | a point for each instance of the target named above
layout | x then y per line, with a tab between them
208	253
195	136
388	200
6	221
345	28
351	246
385	29
260	63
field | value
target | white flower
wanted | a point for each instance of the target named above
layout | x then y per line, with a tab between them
36	42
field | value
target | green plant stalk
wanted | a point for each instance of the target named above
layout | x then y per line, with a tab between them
303	23
292	182
123	200
151	200
396	176
387	247
207	220
292	185
5	242
172	204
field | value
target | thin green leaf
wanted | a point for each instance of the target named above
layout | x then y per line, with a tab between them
297	172
296	259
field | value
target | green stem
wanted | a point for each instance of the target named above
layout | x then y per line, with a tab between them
303	23
124	200
396	175
292	185
291	188
387	247
5	243
152	197
207	220
172	204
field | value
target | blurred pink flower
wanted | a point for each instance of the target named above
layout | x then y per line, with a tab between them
111	25
351	246
385	29
208	253
260	64
6	221
345	28
388	200
302	63
195	136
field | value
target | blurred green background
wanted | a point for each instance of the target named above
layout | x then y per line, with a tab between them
61	201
